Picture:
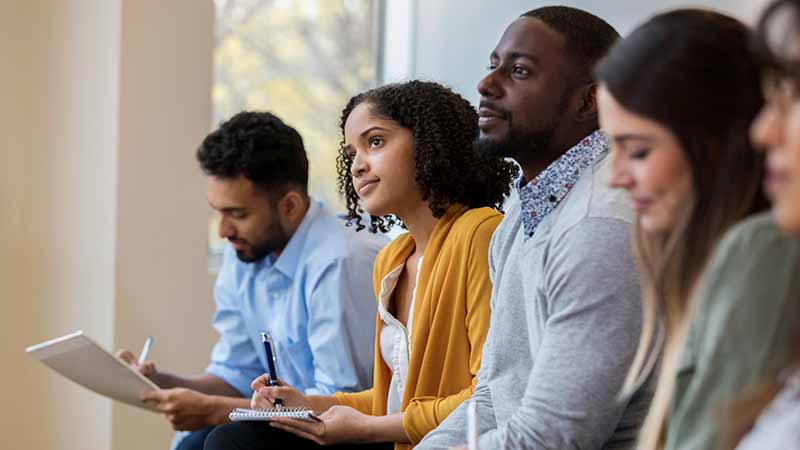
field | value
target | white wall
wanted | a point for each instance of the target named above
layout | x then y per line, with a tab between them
455	37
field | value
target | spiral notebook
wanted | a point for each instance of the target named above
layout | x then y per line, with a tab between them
254	415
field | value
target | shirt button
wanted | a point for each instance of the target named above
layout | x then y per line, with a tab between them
552	198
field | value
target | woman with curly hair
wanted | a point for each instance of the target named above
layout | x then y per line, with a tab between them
406	158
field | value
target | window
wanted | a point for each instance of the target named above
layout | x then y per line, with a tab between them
301	60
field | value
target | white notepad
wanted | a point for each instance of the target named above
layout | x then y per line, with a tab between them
80	359
256	415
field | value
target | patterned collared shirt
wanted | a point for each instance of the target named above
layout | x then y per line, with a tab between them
541	196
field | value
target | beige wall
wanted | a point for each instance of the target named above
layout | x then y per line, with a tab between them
59	131
165	111
102	208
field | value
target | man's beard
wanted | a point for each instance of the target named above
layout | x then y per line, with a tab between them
276	240
521	146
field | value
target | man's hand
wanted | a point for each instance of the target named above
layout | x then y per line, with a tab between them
264	395
340	424
186	409
147	369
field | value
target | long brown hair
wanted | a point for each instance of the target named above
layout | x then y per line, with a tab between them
687	70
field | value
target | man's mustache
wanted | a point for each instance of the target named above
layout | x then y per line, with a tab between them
504	114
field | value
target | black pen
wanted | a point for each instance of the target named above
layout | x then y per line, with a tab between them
273	374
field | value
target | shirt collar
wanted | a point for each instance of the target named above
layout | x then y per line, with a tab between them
543	194
287	262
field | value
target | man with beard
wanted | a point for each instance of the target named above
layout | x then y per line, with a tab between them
566	313
292	270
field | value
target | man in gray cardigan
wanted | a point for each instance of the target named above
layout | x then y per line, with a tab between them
566	312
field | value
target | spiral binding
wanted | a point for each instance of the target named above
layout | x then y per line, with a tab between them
242	414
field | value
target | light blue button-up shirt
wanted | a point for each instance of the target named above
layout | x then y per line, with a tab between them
317	302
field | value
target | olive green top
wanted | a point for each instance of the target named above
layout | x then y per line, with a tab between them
748	313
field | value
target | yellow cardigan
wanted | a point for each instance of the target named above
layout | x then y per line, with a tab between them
451	319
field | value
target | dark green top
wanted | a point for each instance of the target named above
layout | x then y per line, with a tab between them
747	314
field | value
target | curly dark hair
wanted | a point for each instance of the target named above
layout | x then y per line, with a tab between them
259	146
448	170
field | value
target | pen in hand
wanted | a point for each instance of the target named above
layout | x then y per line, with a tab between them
273	375
148	344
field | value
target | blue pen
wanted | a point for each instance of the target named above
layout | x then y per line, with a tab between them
273	374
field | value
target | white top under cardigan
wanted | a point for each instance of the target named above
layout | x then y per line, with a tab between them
395	339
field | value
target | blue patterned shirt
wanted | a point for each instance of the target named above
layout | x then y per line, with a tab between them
540	196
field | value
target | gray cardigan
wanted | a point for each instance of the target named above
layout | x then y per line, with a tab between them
566	319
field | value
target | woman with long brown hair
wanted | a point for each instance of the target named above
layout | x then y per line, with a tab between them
675	99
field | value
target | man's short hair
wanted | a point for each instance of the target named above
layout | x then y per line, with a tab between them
260	147
588	37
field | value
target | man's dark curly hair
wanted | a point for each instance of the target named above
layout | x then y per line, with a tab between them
259	146
448	171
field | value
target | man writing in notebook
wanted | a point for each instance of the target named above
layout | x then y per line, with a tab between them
566	312
292	269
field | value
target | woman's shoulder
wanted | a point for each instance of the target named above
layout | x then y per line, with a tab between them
473	229
751	253
394	249
754	261
758	234
476	220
